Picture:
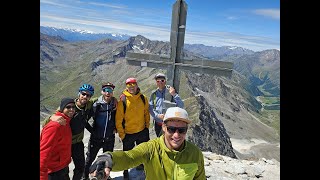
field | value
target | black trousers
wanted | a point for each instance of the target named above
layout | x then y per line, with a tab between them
158	129
77	153
130	140
94	145
62	174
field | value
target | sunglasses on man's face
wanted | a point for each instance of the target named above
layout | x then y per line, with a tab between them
69	107
181	130
109	90
161	80
131	85
85	94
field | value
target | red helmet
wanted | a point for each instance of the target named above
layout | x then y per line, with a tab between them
131	80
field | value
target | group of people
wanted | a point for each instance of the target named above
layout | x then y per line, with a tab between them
169	156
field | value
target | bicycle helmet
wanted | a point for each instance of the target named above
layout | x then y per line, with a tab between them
87	87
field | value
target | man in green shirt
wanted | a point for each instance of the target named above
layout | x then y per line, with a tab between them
169	156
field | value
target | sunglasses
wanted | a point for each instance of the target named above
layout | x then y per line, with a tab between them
181	130
85	94
131	85
162	80
69	107
109	90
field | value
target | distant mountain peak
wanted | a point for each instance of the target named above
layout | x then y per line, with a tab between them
81	31
80	34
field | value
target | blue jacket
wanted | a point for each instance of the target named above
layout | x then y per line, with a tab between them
103	119
156	105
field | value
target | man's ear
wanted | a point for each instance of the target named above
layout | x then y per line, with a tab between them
163	127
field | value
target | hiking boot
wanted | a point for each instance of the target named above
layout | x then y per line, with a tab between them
125	175
140	167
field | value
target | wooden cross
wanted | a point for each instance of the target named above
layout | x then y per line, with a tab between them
175	63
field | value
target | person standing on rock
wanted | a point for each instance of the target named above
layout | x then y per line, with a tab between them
132	118
55	144
169	156
102	132
156	103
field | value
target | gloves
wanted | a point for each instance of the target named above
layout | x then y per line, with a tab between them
103	161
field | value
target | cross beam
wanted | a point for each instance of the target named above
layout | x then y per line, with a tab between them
175	63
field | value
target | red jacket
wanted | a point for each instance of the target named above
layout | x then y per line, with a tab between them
55	147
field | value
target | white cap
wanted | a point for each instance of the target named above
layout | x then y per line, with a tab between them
176	113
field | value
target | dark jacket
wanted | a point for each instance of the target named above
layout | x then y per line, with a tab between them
103	119
80	121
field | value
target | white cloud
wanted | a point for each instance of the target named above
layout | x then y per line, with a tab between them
272	13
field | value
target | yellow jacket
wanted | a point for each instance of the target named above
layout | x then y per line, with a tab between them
137	115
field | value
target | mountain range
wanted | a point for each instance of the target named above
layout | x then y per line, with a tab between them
80	35
225	110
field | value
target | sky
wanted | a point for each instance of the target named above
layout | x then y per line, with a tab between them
251	24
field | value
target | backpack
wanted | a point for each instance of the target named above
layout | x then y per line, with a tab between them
154	99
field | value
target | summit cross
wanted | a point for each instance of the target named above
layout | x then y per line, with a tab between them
175	63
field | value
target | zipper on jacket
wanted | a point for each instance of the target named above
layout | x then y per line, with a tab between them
175	168
107	119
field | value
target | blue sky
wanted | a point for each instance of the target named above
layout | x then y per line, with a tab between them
252	24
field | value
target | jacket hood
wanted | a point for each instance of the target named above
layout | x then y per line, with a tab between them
127	94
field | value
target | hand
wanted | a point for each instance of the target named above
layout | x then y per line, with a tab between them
161	116
104	176
101	167
58	119
172	91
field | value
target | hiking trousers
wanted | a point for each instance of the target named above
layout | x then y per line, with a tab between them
130	140
94	145
158	129
62	174
77	153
